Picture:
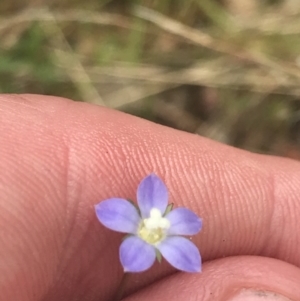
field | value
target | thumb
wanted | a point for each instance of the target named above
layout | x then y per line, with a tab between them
239	278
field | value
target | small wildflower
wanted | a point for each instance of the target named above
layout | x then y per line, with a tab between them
154	228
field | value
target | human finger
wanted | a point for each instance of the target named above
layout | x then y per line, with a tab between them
238	278
59	158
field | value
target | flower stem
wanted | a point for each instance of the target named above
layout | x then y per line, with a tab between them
120	291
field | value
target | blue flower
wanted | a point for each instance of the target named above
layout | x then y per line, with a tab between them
153	229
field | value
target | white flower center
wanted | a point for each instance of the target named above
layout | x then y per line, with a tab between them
153	229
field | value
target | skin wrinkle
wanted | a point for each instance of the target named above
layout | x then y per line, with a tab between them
69	218
269	221
67	210
277	244
289	241
265	212
76	225
84	232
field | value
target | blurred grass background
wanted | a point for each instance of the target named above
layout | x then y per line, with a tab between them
228	70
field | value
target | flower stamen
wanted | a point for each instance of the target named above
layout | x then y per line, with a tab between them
153	229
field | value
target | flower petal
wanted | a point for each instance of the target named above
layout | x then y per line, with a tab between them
181	254
183	222
136	255
152	193
118	215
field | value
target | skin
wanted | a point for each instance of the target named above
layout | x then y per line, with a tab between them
59	158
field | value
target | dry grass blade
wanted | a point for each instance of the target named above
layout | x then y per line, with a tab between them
197	37
213	73
175	27
134	93
68	58
83	16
